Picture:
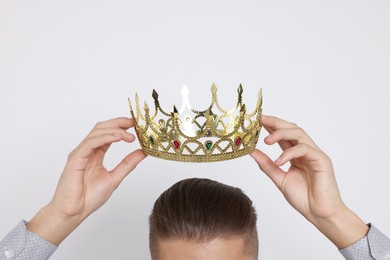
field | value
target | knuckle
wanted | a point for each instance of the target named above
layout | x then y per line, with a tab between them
98	124
272	136
300	130
303	146
327	159
71	155
87	139
129	163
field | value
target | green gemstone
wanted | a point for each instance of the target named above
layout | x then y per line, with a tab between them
151	139
208	145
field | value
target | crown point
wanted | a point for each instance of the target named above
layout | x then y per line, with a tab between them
184	90
260	98
146	107
128	99
240	89
209	112
214	89
155	95
175	110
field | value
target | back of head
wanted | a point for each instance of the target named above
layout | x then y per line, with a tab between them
200	210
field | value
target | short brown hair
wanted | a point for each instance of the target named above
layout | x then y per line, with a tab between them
201	210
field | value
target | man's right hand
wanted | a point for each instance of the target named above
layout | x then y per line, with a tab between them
85	184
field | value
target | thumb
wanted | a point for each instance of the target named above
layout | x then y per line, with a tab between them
269	167
126	166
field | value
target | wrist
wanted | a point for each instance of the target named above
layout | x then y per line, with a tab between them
343	228
52	225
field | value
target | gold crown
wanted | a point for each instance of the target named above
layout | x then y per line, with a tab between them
201	136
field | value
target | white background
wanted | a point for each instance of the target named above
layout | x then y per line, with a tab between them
64	65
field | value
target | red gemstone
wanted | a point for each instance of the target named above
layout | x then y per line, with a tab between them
176	144
238	141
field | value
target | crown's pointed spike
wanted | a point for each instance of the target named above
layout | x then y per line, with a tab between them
260	97
137	105
146	107
214	89
130	105
207	115
210	111
175	110
185	91
185	99
240	89
155	95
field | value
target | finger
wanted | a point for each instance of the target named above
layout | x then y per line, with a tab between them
99	131
269	167
292	135
90	144
269	130
298	151
283	144
101	151
126	166
271	124
276	123
119	122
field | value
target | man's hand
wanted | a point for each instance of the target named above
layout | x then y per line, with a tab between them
85	184
309	185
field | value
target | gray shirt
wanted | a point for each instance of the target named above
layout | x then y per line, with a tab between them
21	244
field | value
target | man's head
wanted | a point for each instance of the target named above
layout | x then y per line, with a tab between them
203	219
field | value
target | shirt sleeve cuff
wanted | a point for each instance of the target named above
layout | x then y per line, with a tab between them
373	246
21	244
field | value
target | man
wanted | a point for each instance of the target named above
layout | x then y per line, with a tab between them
309	186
